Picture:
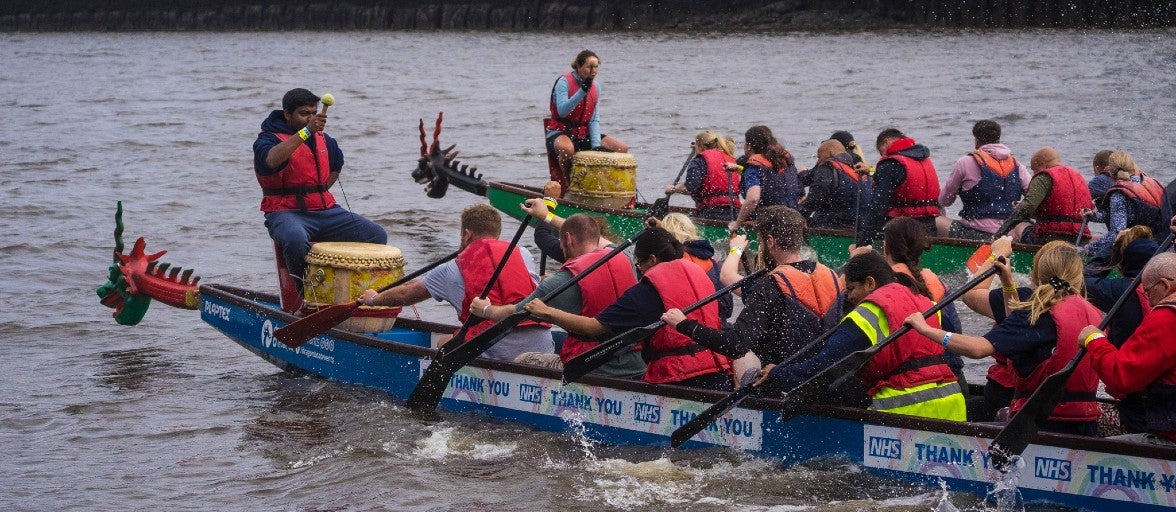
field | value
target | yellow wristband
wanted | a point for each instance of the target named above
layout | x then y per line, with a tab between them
735	250
549	217
1093	336
304	134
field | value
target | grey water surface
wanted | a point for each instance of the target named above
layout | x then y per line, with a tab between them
171	415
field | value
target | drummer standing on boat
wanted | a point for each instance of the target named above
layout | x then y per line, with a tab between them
574	124
296	164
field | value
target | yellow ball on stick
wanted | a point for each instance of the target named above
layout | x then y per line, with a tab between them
328	99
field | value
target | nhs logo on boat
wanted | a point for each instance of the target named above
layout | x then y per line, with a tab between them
885	447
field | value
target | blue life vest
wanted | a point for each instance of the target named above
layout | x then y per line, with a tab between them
998	189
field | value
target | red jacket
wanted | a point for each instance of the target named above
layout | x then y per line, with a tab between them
1070	316
597	291
912	359
477	263
676	357
918	195
1146	361
714	190
934	285
1058	213
302	184
576	122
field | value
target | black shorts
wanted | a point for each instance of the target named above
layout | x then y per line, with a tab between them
578	144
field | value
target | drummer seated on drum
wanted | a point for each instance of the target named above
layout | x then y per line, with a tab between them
574	124
459	281
295	176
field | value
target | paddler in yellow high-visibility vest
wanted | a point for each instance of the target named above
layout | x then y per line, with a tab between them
910	375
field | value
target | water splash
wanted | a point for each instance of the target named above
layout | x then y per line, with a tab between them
944	504
1004	490
443	444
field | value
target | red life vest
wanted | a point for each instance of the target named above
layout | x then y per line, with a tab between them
576	123
714	191
476	263
912	359
845	169
675	357
302	184
1070	316
597	291
1002	372
1149	191
934	285
918	195
1001	168
1058	213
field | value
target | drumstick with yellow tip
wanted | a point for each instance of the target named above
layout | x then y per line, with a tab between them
328	99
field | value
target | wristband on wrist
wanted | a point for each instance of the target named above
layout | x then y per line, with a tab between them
484	308
549	217
551	202
1010	289
946	338
304	134
370	301
735	250
1093	336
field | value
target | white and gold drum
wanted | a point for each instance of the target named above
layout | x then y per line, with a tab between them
339	272
602	178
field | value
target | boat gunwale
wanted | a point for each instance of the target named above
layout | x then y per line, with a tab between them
257	302
641	208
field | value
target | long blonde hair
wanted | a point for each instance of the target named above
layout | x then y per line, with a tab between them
1122	165
710	140
1056	274
680	226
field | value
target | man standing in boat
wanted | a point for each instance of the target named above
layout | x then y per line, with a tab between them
905	184
296	164
461	280
579	237
988	181
574	124
1056	196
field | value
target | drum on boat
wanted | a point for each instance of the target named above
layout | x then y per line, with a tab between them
604	179
339	272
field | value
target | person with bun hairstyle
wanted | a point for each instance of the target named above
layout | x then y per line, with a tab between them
708	180
1037	331
769	174
1133	200
667	281
574	123
908	376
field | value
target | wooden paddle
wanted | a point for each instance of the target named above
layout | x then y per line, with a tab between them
429	390
1015	437
582	364
838	372
712	413
661	206
306	328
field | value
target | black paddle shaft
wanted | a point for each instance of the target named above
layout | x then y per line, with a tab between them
1015	437
661	206
582	364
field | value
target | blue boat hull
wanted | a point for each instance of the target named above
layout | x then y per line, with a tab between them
1077	472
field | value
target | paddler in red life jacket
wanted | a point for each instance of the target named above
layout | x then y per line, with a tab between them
1037	331
1134	199
460	280
296	164
579	237
1056	197
836	189
905	184
781	315
910	375
988	181
574	124
701	252
713	187
667	281
769	175
1146	362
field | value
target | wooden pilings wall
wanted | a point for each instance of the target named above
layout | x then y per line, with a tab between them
134	15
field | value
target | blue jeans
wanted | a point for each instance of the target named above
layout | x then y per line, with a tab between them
294	230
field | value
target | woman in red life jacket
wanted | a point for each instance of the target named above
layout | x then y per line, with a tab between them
1133	200
1037	330
909	375
710	179
574	124
668	281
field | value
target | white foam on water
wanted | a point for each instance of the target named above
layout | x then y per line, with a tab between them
305	463
442	444
636	485
1004	490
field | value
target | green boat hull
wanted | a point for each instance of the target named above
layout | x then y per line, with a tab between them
947	255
